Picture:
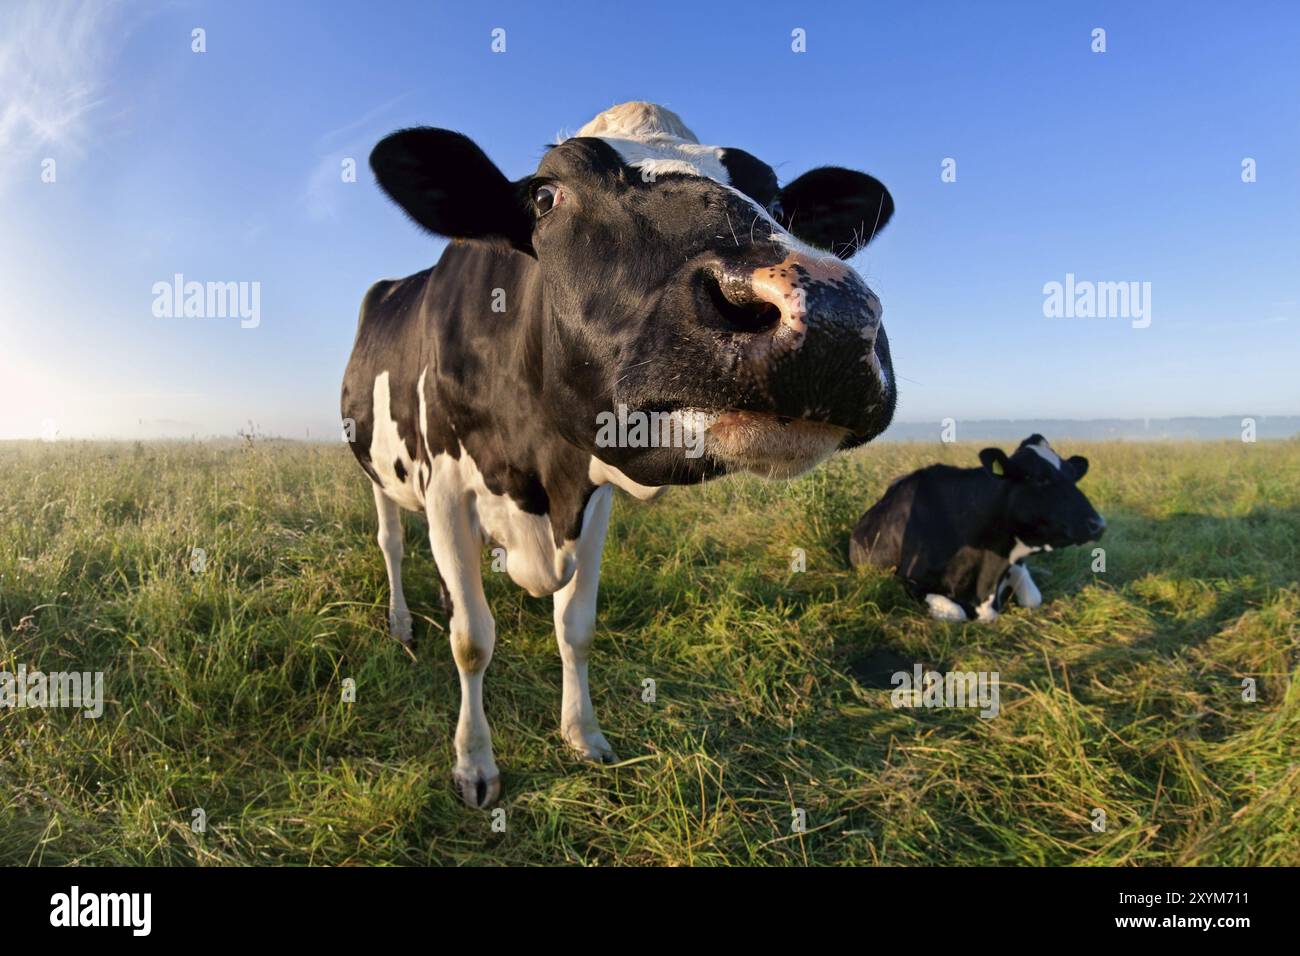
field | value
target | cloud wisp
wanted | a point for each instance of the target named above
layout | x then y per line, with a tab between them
52	61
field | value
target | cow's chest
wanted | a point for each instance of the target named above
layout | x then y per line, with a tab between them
523	544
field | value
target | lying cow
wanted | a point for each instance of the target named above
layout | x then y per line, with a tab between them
958	537
635	271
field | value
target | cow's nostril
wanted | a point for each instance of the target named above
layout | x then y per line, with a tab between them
738	307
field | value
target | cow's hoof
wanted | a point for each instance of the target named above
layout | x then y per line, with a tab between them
591	747
400	627
476	789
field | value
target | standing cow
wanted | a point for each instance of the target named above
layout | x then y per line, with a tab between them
636	272
958	537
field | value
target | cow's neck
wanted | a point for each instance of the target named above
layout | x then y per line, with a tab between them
993	536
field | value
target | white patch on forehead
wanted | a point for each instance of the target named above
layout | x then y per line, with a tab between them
649	137
666	155
1044	450
653	139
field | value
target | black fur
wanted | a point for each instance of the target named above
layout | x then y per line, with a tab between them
836	209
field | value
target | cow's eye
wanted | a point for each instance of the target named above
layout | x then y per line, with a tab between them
546	197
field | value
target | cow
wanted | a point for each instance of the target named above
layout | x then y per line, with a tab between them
958	537
635	272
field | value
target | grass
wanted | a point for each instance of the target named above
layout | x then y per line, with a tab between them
223	688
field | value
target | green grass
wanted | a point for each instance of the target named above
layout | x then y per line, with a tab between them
223	688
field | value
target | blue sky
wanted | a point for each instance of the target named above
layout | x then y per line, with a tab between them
225	166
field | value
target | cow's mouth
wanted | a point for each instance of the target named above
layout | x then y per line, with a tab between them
771	446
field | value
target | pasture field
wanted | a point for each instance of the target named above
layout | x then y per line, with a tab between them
223	688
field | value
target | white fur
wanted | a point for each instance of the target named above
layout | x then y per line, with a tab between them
532	559
944	608
649	137
1027	593
1022	550
453	536
667	155
390	543
387	446
638	120
422	472
599	473
986	612
1044	451
575	625
461	512
655	140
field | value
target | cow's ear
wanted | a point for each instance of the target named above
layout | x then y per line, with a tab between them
1079	465
996	462
836	209
447	184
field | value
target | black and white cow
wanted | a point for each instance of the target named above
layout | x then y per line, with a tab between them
635	269
958	537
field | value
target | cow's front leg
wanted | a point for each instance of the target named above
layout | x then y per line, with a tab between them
456	551
1027	593
575	626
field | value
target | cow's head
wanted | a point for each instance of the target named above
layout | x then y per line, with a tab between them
1045	508
682	285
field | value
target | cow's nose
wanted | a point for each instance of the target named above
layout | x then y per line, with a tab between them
787	300
1096	526
740	304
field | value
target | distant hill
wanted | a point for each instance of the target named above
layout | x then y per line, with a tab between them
1100	429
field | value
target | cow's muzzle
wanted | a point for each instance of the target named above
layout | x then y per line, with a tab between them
797	353
800	336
